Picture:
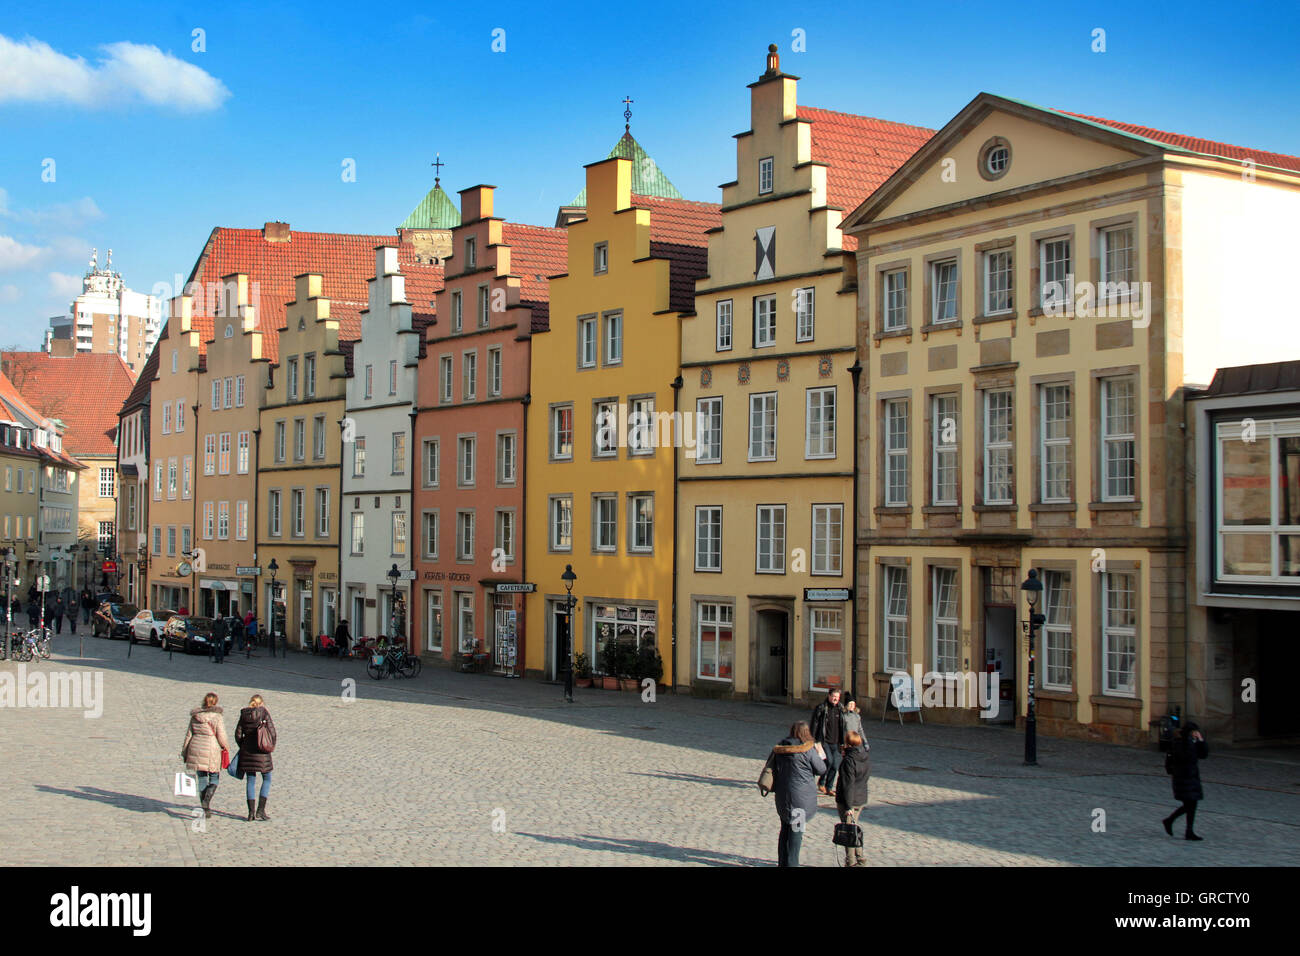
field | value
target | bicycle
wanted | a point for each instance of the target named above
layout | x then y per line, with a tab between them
392	659
35	643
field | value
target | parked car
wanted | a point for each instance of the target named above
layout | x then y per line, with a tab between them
123	616
190	633
147	626
112	597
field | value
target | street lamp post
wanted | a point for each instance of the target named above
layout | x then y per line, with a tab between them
393	575
10	562
569	578
273	567
1033	589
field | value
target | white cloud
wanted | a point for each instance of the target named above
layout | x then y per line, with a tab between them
64	285
10	293
34	72
63	215
16	255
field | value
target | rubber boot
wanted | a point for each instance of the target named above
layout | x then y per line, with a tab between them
261	809
251	805
205	799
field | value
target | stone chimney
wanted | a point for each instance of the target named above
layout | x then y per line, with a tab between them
773	61
276	232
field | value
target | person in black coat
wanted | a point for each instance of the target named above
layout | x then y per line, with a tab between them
1187	751
55	610
827	727
342	638
851	797
797	762
220	631
252	758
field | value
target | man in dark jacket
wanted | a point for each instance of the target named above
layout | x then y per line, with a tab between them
1188	749
87	605
220	631
828	730
342	638
796	762
851	797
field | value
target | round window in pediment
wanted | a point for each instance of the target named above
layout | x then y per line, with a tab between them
995	158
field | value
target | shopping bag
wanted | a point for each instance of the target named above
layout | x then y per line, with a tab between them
186	786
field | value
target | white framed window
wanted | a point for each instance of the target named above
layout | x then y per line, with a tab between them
1258	531
897	630
483	311
562	433
505	534
825	648
215	403
641	523
223	520
239	391
432	461
227	401
273	512
399	534
494	371
828	539
1119	647
392	376
641	426
819	429
445	378
279	441
1118	440
318	438
897	492
292	378
359	457
465	621
322	512
708	538
708	431
298	512
506	458
1054	437
943	283
242	451
764	321
724	311
180	415
107	482
1115	250
457	311
171	478
1057	633
469	376
358	537
604	521
605	430
998	282
157	540
715	641
561	523
471	253
587	343
601	258
945	634
1056	272
762	427
157	481
466	446
999	483
805	314
431	534
241	520
369	382
223	453
944	464
766	169
399	453
209	520
614	338
770	539
433	620
167	418
299	440
895	296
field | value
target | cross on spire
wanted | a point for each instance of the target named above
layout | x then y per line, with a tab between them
437	165
627	114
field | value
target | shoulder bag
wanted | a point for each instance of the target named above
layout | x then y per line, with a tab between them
767	779
265	736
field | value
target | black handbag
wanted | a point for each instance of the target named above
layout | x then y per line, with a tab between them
847	835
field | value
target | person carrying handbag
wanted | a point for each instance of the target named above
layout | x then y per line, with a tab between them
851	795
797	762
206	749
256	737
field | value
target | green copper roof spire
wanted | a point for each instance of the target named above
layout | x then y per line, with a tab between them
436	210
647	178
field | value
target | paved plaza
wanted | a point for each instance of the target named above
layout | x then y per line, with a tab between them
465	769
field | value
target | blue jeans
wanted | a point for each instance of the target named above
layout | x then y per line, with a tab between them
833	760
250	781
206	780
788	845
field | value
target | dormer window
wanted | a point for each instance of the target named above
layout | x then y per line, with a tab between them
471	253
765	175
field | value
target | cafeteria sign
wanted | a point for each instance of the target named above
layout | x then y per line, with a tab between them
525	588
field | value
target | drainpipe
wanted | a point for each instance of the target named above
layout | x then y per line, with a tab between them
676	385
194	508
412	540
522	466
855	370
257	459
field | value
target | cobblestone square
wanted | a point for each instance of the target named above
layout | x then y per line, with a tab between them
419	771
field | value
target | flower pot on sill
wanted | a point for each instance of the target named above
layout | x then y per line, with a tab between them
609	683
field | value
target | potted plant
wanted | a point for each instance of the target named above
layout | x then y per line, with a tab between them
628	668
582	670
609	659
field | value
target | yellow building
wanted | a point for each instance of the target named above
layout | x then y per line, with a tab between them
600	497
766	495
298	467
20	462
1029	315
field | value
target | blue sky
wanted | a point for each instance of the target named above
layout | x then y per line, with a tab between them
154	148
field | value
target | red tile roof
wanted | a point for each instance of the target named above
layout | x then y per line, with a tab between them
17	408
84	391
679	233
536	254
860	153
139	395
1195	144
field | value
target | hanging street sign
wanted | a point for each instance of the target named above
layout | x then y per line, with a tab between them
247	572
525	588
827	594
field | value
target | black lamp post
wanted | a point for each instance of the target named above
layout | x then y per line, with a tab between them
393	575
10	563
568	577
1033	589
273	567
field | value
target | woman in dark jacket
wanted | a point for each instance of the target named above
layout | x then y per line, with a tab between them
851	796
252	758
342	638
1188	749
797	763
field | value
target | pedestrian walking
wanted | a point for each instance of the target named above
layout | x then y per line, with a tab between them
249	637
828	730
87	605
33	614
851	796
56	609
852	717
220	631
1181	762
255	735
205	744
797	762
342	638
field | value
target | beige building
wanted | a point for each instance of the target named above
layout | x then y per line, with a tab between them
107	318
1026	306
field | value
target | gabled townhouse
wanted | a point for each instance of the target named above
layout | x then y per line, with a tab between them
20	500
471	432
600	457
765	511
134	420
1035	289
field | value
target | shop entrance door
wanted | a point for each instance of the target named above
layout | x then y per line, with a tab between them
773	648
304	613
